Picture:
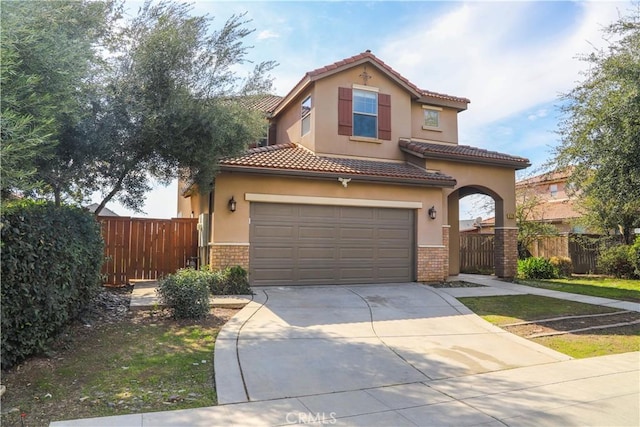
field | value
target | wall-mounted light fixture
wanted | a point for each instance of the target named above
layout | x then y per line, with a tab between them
232	204
432	212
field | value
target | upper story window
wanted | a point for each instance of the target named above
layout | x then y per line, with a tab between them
431	117
365	113
305	114
553	189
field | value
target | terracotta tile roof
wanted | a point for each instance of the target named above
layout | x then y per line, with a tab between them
291	159
367	55
264	103
553	176
462	153
555	210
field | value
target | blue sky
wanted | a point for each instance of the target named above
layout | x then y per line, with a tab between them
511	59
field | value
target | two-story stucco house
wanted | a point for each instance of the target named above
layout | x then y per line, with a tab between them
359	183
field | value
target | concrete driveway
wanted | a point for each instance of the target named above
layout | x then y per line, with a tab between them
305	341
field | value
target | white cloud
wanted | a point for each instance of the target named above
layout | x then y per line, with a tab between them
537	115
267	34
469	52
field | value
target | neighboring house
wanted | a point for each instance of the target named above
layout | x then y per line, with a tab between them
104	212
359	183
555	204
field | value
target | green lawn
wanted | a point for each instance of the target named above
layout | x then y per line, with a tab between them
605	287
502	310
140	364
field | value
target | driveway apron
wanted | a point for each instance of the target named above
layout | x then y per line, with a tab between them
305	341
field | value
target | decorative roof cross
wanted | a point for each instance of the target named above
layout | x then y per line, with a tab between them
365	76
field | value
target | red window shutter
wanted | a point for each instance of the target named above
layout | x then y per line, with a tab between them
384	116
345	111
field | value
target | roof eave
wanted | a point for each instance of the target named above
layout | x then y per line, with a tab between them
517	165
445	183
440	102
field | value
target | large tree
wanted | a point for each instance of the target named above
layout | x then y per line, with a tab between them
600	131
48	50
161	103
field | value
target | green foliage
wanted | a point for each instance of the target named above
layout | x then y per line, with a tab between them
618	261
601	129
49	54
230	281
536	268
51	261
562	265
94	102
186	293
530	220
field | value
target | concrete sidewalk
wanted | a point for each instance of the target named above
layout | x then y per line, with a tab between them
601	391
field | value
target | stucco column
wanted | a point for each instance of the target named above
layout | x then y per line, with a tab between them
506	251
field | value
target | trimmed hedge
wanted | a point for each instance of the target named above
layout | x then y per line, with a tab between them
51	261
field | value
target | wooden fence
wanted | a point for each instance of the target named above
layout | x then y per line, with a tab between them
476	252
140	248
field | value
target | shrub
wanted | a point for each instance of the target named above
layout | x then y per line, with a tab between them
536	268
562	265
186	293
616	261
51	261
230	281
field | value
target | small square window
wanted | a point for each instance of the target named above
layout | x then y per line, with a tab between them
305	113
431	118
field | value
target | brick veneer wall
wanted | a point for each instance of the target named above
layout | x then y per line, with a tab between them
223	256
506	252
433	261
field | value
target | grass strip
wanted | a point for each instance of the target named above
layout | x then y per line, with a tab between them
604	287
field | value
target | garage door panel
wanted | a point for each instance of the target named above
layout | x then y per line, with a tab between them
315	274
317	232
274	210
395	215
309	244
317	212
359	214
354	253
274	231
270	253
394	233
359	233
316	254
394	253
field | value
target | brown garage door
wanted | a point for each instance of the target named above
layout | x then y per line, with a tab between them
308	245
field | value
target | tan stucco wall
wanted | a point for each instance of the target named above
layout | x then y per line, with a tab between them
192	206
406	118
233	227
498	182
289	124
447	132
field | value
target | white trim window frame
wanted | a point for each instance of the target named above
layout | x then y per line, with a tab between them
365	113
431	117
305	116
